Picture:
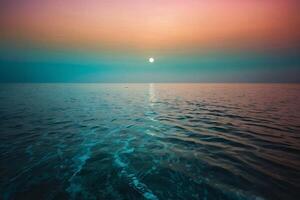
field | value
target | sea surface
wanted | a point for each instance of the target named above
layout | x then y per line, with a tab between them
150	141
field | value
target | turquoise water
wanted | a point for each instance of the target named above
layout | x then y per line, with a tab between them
149	141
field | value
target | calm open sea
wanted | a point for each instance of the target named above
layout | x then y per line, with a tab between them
150	141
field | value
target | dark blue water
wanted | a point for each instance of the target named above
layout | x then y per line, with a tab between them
149	141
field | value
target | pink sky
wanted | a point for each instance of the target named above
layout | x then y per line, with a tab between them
145	24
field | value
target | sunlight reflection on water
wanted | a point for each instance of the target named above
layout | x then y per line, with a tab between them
152	141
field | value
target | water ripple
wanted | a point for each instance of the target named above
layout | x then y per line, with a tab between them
149	141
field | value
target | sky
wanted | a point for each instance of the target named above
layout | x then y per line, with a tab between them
112	40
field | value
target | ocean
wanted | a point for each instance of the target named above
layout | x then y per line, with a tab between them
150	141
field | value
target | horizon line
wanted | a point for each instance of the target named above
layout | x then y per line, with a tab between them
150	82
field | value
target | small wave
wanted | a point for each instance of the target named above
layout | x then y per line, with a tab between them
129	175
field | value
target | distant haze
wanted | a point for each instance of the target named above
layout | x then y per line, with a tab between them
112	41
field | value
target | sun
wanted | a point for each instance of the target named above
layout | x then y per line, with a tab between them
151	60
